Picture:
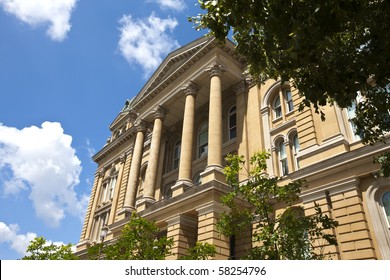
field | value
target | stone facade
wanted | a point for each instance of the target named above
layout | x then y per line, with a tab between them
164	158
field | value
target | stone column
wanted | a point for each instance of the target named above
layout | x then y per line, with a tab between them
132	183
187	140
151	171
214	158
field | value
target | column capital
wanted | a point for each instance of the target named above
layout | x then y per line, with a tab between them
191	88
239	87
100	173
159	112
133	114
249	80
140	126
215	69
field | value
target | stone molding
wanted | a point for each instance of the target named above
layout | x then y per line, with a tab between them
333	188
375	210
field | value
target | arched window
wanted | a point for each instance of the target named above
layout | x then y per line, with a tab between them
295	150
283	164
176	154
203	140
277	106
378	203
289	101
386	206
232	123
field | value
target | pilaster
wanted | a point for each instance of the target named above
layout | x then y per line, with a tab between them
208	216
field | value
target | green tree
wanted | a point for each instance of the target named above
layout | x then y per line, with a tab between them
332	51
39	249
201	251
291	235
139	240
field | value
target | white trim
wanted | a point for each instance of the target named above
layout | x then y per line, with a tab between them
381	231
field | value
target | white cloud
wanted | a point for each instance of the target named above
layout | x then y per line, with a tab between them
145	42
177	5
54	13
18	242
42	161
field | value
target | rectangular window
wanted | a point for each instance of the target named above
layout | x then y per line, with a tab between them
232	127
103	194
112	187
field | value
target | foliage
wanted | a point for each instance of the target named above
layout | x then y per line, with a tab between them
291	235
39	249
201	251
139	241
384	161
331	51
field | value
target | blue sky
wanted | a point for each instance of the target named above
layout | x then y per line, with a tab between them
66	70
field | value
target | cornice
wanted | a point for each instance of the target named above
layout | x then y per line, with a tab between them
109	148
346	160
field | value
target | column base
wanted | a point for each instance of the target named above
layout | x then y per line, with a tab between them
180	186
144	202
213	173
125	212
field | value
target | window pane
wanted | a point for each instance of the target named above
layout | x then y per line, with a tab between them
282	150
277	107
203	137
203	140
232	123
232	120
176	155
112	187
386	205
296	144
232	133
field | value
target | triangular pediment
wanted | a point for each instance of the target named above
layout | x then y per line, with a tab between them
118	119
171	63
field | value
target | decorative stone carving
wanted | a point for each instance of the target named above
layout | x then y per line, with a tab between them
191	88
101	173
122	158
160	112
239	87
215	69
141	126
